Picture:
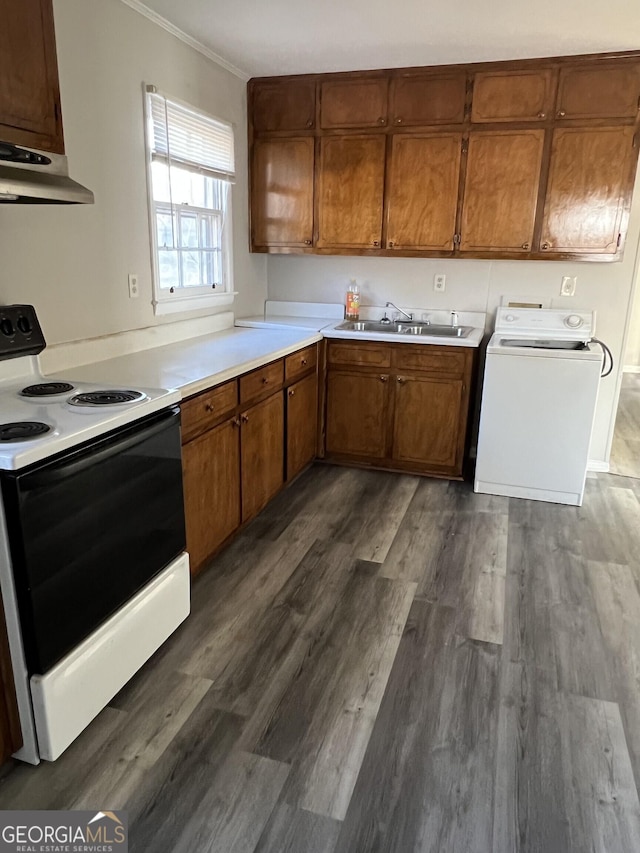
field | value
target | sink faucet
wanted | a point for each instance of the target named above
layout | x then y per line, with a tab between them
391	305
454	319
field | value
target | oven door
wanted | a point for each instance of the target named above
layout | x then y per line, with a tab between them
90	528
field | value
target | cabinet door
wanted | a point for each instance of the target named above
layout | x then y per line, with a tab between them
422	193
599	91
590	182
357	407
501	190
421	99
282	192
262	454
428	422
211	477
10	732
302	424
350	191
29	94
284	105
354	102
512	95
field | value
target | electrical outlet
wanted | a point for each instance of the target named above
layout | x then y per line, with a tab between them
133	286
439	282
568	286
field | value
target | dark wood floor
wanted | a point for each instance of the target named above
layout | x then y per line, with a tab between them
386	663
625	450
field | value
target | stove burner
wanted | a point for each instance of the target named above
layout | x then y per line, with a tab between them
105	398
22	430
46	389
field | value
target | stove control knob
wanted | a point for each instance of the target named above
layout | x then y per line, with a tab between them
23	324
573	321
6	327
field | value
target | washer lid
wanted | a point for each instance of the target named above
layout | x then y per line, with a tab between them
508	345
545	323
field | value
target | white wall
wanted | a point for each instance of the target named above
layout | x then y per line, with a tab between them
632	350
72	262
478	286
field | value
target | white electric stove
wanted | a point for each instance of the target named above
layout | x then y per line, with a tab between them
93	568
542	373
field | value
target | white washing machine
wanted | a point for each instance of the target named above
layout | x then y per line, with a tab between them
542	372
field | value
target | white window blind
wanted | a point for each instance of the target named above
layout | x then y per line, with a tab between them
190	169
190	139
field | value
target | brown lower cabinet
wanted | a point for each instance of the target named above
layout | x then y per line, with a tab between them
238	446
10	732
211	475
302	424
410	416
261	454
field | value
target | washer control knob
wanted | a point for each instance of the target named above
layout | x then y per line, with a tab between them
573	321
510	318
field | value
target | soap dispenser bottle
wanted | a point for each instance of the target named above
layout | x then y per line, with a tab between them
352	311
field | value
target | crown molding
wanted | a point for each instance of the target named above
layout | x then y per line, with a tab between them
157	19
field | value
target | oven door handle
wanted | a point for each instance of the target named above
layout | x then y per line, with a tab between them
90	456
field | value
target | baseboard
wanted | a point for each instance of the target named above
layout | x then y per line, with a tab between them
598	465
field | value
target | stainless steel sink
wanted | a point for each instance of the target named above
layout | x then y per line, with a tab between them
409	329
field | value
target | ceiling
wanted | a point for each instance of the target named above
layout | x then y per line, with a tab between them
264	37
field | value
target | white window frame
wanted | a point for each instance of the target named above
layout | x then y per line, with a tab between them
191	298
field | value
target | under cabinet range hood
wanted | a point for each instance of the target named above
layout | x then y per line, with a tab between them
37	177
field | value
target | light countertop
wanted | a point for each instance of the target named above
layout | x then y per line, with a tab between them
196	364
473	339
284	322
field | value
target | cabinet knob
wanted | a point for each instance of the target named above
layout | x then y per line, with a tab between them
542	115
264	380
304	362
399	120
382	120
391	244
545	246
235	422
292	393
376	242
383	378
307	242
561	113
310	122
526	245
244	419
401	380
209	407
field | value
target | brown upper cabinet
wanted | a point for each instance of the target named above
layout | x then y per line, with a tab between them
384	170
284	105
599	90
30	113
588	190
350	190
282	191
427	99
353	102
509	96
422	193
501	191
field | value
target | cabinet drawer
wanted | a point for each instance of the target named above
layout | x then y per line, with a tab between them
201	412
261	382
429	358
368	355
300	362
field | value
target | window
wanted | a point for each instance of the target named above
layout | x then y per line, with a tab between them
190	173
